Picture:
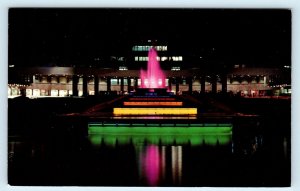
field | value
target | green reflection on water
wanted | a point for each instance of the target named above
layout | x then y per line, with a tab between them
166	135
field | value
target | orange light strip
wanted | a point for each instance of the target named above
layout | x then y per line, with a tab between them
153	103
155	111
151	99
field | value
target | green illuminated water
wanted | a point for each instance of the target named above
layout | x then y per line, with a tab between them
165	135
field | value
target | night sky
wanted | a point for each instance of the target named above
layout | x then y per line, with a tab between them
65	37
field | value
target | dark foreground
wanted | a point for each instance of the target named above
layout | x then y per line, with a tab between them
42	154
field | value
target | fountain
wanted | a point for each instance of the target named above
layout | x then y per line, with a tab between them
154	77
157	126
156	116
153	86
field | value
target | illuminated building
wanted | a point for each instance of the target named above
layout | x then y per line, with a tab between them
124	77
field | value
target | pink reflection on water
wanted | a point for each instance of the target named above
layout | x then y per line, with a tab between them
151	165
154	77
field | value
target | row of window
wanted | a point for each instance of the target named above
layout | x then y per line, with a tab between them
147	48
162	58
123	68
175	68
117	58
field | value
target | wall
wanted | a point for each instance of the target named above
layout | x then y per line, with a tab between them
62	86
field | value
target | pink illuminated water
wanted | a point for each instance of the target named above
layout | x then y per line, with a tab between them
151	165
154	77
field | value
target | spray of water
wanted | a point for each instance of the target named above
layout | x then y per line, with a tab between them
154	76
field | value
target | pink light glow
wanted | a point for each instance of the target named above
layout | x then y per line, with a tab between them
154	77
152	165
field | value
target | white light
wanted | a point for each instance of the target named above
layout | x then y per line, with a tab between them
123	68
164	58
159	82
175	68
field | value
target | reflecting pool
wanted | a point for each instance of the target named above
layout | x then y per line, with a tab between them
163	135
158	148
137	155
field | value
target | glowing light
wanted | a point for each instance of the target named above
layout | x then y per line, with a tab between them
176	164
165	135
151	165
151	99
152	103
159	82
163	162
155	111
154	73
189	117
146	82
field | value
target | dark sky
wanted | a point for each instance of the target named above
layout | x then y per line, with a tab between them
43	37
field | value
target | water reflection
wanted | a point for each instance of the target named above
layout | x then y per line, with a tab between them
149	164
193	140
152	164
132	156
176	164
159	157
166	135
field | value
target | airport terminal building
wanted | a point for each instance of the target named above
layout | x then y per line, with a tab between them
120	74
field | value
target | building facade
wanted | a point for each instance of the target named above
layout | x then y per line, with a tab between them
124	77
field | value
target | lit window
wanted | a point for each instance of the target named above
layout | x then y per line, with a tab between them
147	48
143	58
114	82
54	92
140	48
161	48
175	68
123	68
164	58
120	58
175	58
136	58
63	93
158	58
